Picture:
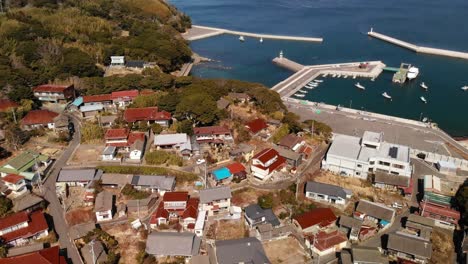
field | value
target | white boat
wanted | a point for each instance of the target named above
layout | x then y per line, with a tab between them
465	88
373	79
314	84
334	75
423	99
385	94
354	77
339	76
412	73
241	38
299	95
424	86
302	91
346	76
261	40
325	75
311	83
360	86
318	81
309	87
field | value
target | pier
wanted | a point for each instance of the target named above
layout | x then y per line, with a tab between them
306	74
419	49
201	32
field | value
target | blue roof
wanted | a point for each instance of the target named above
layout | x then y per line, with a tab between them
78	101
383	222
221	174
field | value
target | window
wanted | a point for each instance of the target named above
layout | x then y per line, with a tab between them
394	172
398	166
359	166
358	173
371	162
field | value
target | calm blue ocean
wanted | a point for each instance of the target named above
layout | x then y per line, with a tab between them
343	24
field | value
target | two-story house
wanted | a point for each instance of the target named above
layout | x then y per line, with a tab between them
54	93
19	228
15	183
327	193
325	243
255	215
256	126
315	220
149	115
379	213
408	248
37	119
94	104
212	134
104	206
176	207
266	162
28	164
215	200
291	142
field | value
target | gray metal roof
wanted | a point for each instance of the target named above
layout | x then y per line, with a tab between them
99	255
222	103
349	222
368	255
153	181
288	154
271	217
171	139
410	245
214	194
375	210
25	201
104	201
323	188
79	175
420	220
391	179
172	244
142	202
345	146
246	250
116	179
15	251
81	230
254	211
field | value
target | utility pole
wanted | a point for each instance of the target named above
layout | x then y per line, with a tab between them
92	251
12	109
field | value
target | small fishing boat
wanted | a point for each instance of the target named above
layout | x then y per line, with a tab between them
412	73
386	95
302	91
309	87
311	83
338	76
465	88
334	75
346	76
373	79
423	99
299	95
354	77
241	38
325	75
360	86
261	40
318	81
424	86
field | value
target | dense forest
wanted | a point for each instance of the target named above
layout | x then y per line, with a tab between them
48	40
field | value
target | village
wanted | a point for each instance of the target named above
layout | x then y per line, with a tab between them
131	184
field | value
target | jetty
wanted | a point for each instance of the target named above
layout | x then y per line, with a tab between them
305	74
418	49
201	32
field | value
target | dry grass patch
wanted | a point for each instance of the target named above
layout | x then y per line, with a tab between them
246	196
230	229
79	216
87	153
129	241
442	247
286	250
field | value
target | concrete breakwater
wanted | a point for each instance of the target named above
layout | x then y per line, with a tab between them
201	32
419	49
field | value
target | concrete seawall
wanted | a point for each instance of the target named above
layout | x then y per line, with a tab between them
288	64
200	32
419	49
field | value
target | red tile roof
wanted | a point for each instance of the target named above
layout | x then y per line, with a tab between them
132	138
124	95
117	133
211	130
278	164
97	98
323	240
235	167
36	225
256	125
13	219
175	196
45	256
429	209
190	212
52	88
265	155
318	216
5	104
12	178
160	213
145	114
39	117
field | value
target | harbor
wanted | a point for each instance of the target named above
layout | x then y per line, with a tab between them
201	32
418	49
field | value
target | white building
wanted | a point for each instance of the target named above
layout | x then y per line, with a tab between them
266	162
215	200
103	206
359	157
327	193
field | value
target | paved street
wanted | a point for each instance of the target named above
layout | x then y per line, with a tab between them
55	208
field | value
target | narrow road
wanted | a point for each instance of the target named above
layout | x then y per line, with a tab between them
55	208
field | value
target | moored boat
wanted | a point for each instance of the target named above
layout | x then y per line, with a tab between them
261	40
360	86
241	38
302	91
424	86
423	99
465	88
386	95
318	81
412	73
299	95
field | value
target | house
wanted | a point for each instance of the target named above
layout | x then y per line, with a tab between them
359	157
170	244
351	226
222	103
446	167
215	200
100	99
379	213
123	98
94	252
116	180
37	119
108	154
266	162
256	126
45	256
180	142
315	220
137	149
294	159
212	134
237	170
28	164
149	115
291	142
221	174
16	184
81	230
54	93
142	206
241	97
409	248
255	215
117	61
153	183
266	231
78	177
91	110
116	136
327	193
126	141
20	228
27	202
243	151
176	207
200	223
420	226
324	243
7	105
243	250
104	206
107	120
367	255
443	215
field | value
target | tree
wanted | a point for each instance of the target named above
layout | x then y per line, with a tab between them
198	108
185	126
319	128
292	120
280	133
169	102
15	137
91	132
79	63
265	201
461	200
156	128
5	206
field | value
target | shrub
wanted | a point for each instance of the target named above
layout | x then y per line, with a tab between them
159	157
132	193
265	201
